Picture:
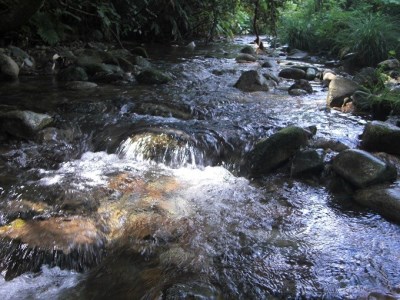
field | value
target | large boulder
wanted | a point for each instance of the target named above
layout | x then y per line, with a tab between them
381	136
270	153
252	81
152	76
385	201
292	73
24	124
362	169
339	89
9	69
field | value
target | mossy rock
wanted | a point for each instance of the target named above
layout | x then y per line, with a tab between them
381	136
248	50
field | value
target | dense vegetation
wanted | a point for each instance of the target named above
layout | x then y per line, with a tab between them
369	29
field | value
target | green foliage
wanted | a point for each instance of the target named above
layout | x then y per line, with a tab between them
370	36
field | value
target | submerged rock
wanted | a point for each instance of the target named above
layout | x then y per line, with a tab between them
385	201
67	242
252	81
270	153
339	89
151	76
381	136
362	169
24	124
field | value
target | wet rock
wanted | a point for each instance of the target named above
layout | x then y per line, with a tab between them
72	73
384	200
270	153
243	57
252	81
301	84
271	76
297	92
80	85
296	54
23	59
330	144
390	64
381	136
308	161
55	135
248	50
362	169
340	88
152	76
9	69
72	242
23	124
311	73
142	62
108	77
292	73
269	64
192	290
23	209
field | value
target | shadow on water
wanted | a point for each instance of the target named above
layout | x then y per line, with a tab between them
135	194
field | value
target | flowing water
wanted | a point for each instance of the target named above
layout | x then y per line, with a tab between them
141	194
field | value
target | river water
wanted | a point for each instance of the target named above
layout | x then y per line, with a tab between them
145	195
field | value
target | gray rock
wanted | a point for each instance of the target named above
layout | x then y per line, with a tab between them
339	89
80	85
9	69
311	73
270	153
269	64
328	75
252	81
243	57
362	169
385	201
142	62
72	73
301	84
151	76
248	50
308	161
381	136
271	76
292	73
297	92
390	64
23	124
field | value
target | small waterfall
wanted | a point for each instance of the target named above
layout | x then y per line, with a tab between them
169	149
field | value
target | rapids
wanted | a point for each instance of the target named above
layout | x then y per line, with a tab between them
148	188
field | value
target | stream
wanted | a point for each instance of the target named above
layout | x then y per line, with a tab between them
141	193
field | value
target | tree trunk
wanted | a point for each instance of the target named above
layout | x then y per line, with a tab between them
14	13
